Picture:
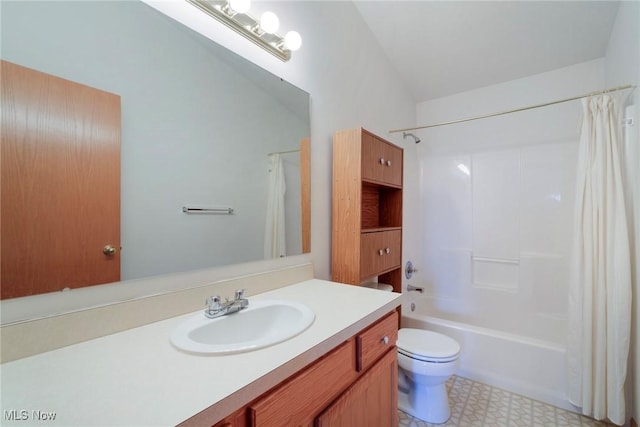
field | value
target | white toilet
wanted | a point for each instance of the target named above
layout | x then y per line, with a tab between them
426	360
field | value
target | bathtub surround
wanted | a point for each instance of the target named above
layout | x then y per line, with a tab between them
600	284
543	286
459	289
495	218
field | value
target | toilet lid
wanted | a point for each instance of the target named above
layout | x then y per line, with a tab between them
427	344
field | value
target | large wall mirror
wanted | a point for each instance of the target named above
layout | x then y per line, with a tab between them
198	126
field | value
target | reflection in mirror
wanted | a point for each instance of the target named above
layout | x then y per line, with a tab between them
197	126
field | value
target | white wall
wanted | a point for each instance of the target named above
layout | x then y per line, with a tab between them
622	67
181	137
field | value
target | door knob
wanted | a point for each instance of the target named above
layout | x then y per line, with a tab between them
109	250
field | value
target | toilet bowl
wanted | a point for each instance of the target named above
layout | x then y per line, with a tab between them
426	360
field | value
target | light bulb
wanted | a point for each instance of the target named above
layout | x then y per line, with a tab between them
240	6
269	22
292	40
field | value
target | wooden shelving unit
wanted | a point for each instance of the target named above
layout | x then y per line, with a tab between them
367	209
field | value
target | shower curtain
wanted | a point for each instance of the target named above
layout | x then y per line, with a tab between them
274	230
600	284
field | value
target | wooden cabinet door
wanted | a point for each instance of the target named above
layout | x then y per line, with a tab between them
392	171
379	252
372	401
371	254
381	161
60	183
300	398
373	158
392	243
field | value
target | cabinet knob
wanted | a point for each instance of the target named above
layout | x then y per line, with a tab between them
382	160
388	162
380	252
387	250
384	340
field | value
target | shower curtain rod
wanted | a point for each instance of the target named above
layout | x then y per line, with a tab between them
531	107
284	152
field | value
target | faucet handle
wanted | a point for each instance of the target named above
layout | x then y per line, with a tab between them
213	302
239	294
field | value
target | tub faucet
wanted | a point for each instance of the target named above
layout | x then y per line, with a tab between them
413	288
216	307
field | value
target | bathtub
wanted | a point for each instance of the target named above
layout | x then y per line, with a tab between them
522	365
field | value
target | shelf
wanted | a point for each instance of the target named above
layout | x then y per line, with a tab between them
381	206
381	184
377	229
389	271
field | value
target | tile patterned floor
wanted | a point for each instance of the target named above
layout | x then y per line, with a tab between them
476	404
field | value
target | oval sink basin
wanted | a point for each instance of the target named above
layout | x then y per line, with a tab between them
262	324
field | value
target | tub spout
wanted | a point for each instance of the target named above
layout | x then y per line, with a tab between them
413	288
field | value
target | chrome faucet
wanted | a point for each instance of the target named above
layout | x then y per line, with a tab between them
216	307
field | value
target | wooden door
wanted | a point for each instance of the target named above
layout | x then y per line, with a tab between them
60	183
305	193
372	401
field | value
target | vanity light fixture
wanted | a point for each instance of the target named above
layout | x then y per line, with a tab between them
263	32
269	22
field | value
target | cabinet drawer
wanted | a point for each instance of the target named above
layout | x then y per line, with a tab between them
379	252
372	343
298	401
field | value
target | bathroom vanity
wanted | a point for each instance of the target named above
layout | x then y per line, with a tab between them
344	363
353	384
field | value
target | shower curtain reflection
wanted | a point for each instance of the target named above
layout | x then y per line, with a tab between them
274	231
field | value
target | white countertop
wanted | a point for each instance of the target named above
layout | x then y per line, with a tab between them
137	377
